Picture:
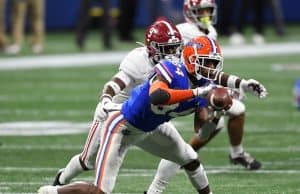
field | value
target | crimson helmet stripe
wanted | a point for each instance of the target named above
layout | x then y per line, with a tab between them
172	32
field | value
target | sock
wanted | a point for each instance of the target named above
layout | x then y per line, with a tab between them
166	170
198	178
72	169
236	150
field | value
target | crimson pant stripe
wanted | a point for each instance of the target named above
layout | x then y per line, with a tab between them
89	140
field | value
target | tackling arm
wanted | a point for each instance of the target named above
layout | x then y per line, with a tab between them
119	81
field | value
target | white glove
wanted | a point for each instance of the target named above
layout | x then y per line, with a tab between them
100	112
254	87
202	91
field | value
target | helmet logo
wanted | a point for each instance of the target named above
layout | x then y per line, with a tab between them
151	32
194	44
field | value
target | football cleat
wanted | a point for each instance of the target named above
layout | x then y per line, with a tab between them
56	180
245	160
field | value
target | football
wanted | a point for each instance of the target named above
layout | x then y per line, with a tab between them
219	98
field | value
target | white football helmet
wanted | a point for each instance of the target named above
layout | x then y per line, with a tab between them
193	11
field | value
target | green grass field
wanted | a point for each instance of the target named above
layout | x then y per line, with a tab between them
70	94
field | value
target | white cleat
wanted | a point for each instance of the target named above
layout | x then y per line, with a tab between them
13	49
236	39
258	39
37	48
48	189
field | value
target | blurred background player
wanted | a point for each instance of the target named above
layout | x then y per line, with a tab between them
134	69
36	13
201	15
83	23
2	25
128	9
257	7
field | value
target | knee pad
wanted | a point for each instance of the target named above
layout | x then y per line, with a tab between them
237	108
193	165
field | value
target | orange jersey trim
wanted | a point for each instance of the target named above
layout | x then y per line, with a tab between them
175	95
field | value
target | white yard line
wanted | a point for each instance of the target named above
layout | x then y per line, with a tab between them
115	57
32	128
147	172
290	149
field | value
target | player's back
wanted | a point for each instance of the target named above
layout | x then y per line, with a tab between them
139	111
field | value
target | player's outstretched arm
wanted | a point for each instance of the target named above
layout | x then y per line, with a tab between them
162	94
250	85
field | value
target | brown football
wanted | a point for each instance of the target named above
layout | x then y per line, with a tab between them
219	98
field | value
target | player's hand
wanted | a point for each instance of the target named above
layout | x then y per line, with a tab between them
101	113
202	91
253	87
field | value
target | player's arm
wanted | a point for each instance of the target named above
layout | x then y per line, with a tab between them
162	94
235	82
118	82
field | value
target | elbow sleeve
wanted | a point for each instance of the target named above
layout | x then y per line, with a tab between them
159	96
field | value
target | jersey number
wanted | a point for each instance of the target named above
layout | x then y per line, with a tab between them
168	110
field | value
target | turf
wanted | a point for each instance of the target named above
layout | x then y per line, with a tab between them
70	94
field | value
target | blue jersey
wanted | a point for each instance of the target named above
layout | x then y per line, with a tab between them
139	111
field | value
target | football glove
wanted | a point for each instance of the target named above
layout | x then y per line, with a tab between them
202	91
101	113
253	87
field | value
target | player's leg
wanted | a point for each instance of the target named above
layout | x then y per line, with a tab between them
206	133
86	159
167	143
236	131
113	148
110	156
37	23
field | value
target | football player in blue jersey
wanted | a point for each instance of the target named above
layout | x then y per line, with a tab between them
166	95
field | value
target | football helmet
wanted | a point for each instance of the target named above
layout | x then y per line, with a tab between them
202	58
163	40
194	11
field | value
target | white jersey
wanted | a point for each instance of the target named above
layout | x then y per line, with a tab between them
190	30
138	67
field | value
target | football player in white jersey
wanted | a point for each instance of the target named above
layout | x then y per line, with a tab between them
201	15
134	69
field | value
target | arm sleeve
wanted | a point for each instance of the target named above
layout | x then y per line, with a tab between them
160	93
